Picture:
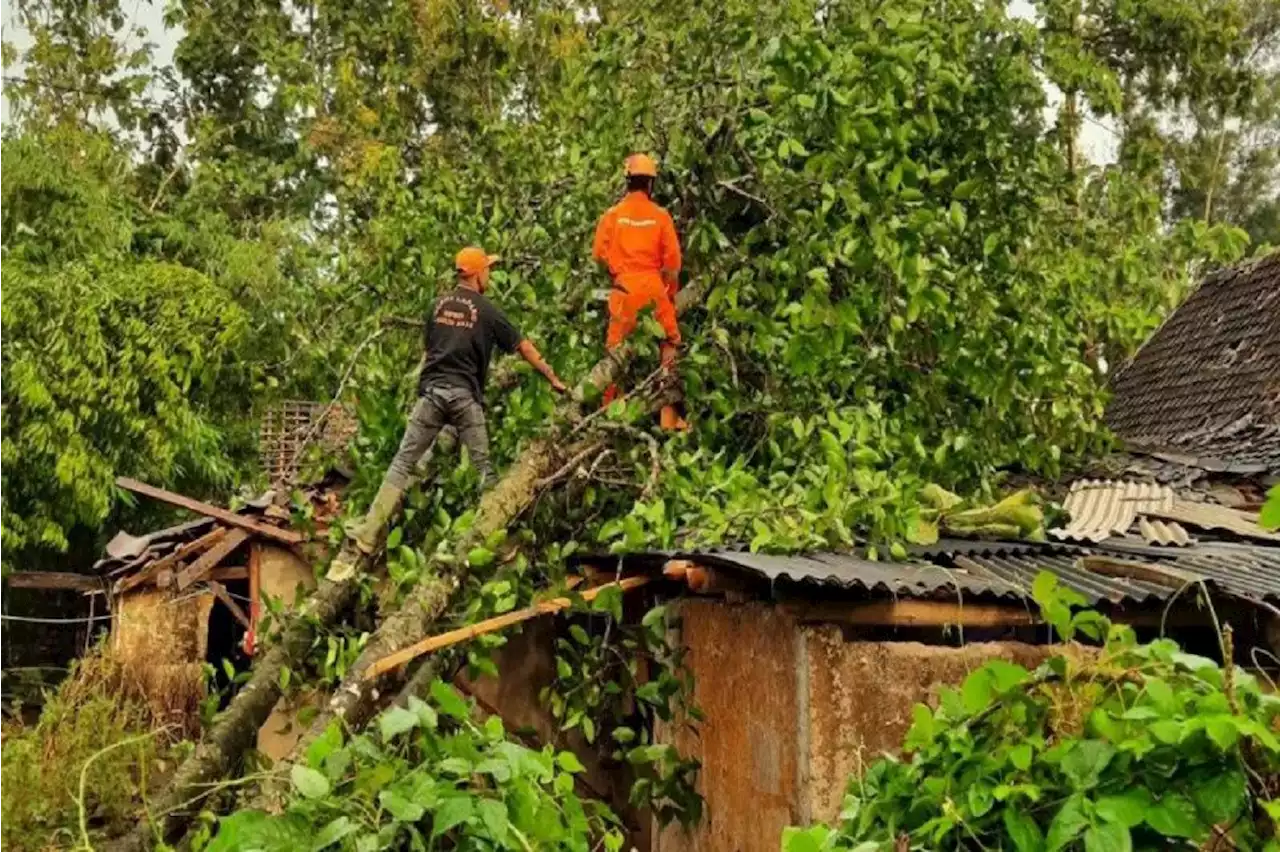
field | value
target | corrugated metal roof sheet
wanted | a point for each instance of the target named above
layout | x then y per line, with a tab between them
1100	508
999	569
1206	385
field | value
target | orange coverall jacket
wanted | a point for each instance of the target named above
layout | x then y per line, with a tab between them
637	240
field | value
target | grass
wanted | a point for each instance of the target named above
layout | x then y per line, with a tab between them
79	773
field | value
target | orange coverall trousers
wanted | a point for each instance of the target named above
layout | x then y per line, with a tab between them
630	295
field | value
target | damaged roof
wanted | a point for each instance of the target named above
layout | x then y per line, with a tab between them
1205	388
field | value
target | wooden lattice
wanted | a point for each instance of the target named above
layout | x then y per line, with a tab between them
294	424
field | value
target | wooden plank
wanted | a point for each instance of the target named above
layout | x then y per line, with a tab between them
1159	575
199	569
255	597
221	593
53	580
154	570
231	519
462	634
912	613
229	572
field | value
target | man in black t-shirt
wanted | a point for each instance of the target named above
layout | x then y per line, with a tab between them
462	331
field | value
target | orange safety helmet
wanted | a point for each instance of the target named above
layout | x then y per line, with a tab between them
472	261
641	165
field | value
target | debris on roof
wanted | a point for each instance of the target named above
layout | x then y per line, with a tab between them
1204	390
1102	508
1209	516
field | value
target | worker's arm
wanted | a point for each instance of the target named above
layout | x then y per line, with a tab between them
530	353
600	245
671	259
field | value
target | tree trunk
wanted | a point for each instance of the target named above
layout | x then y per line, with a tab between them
355	700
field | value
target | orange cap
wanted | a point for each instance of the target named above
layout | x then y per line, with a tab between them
472	261
641	165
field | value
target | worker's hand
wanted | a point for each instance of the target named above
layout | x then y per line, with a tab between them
558	386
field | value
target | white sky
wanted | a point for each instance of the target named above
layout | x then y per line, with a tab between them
1099	140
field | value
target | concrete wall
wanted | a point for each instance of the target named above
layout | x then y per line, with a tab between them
792	711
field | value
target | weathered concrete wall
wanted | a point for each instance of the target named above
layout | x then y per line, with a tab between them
860	696
745	677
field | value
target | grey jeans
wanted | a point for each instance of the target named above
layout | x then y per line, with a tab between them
437	408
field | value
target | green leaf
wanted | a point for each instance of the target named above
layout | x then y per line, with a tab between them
1020	756
334	831
309	782
1175	816
396	721
451	812
811	839
395	537
400	807
449	701
1128	808
579	635
1269	517
1085	761
976	690
965	189
324	745
256	830
1108	837
427	716
480	557
569	762
1067	823
493	815
1023	830
1223	731
1220	798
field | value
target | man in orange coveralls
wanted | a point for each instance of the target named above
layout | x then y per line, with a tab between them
637	241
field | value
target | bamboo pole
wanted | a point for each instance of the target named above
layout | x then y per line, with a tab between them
490	625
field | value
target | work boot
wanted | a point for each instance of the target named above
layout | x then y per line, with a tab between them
670	421
366	533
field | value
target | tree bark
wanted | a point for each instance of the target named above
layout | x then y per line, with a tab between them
355	700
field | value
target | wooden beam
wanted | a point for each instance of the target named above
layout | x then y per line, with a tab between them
229	572
53	580
199	569
912	613
462	634
231	519
164	563
221	593
1159	575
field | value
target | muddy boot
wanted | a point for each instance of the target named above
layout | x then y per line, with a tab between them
670	421
366	533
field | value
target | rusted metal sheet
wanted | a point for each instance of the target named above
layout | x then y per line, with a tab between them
745	675
1101	508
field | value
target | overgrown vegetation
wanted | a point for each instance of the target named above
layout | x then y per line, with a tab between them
1131	746
912	275
79	772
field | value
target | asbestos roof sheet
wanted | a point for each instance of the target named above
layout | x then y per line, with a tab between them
1100	508
1206	385
1167	533
1210	516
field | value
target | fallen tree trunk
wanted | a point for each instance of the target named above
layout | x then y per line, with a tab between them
355	698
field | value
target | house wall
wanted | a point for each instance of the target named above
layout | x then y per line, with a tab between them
744	663
860	696
792	711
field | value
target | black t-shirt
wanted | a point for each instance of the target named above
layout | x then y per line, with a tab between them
461	331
